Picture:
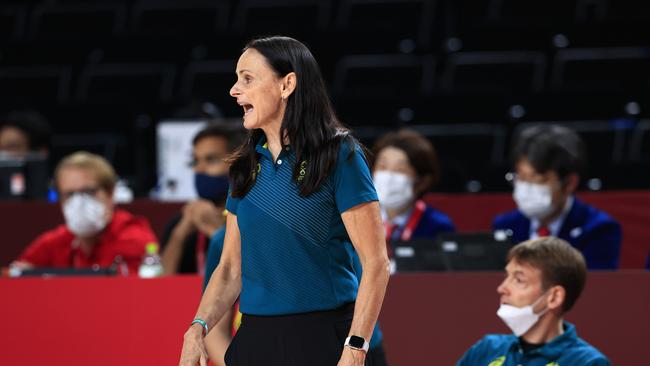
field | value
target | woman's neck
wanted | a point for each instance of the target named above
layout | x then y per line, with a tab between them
273	140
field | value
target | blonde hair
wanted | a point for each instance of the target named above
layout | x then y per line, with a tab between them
98	166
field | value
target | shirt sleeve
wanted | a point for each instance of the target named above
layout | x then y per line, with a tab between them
39	252
232	203
353	182
600	362
130	242
214	254
472	355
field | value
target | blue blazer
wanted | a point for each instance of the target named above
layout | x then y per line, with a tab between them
432	223
593	232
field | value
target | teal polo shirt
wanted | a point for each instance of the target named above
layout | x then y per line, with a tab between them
296	254
566	349
214	256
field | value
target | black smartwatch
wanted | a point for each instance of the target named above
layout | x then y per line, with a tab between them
358	343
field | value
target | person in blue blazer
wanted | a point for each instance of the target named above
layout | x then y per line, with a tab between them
405	168
548	161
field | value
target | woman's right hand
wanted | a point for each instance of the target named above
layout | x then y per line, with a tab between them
193	349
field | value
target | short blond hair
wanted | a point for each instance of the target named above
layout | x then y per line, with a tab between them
95	164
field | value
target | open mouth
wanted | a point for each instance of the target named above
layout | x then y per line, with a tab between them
248	108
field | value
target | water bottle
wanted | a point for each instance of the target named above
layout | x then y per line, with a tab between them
151	266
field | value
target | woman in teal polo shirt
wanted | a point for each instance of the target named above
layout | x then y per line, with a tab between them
301	193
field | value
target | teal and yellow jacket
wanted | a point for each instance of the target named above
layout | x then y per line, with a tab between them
505	350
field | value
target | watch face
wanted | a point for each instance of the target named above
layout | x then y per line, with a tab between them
356	342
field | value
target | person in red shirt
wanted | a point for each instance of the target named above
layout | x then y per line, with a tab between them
95	233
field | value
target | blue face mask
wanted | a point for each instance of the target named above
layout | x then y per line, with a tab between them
211	187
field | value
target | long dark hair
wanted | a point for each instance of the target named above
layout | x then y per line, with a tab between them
309	122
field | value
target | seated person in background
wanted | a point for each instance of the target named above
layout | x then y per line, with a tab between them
548	161
186	238
24	132
95	232
406	167
544	278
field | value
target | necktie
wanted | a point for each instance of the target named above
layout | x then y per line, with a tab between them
543	231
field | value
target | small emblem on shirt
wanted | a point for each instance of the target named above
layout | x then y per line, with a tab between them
254	172
498	362
302	171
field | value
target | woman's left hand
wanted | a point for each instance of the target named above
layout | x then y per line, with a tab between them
352	357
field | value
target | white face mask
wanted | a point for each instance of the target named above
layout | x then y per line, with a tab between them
84	215
535	201
519	320
395	190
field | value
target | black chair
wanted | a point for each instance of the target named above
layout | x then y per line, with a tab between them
12	21
619	70
575	105
508	71
384	75
297	18
211	80
25	84
544	13
371	26
143	49
126	83
500	25
375	112
464	151
78	20
180	18
104	144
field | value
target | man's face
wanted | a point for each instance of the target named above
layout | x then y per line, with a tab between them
527	173
522	285
14	141
73	180
208	156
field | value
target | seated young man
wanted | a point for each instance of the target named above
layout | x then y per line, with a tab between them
186	237
544	278
548	161
95	233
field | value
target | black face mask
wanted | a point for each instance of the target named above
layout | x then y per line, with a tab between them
211	187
